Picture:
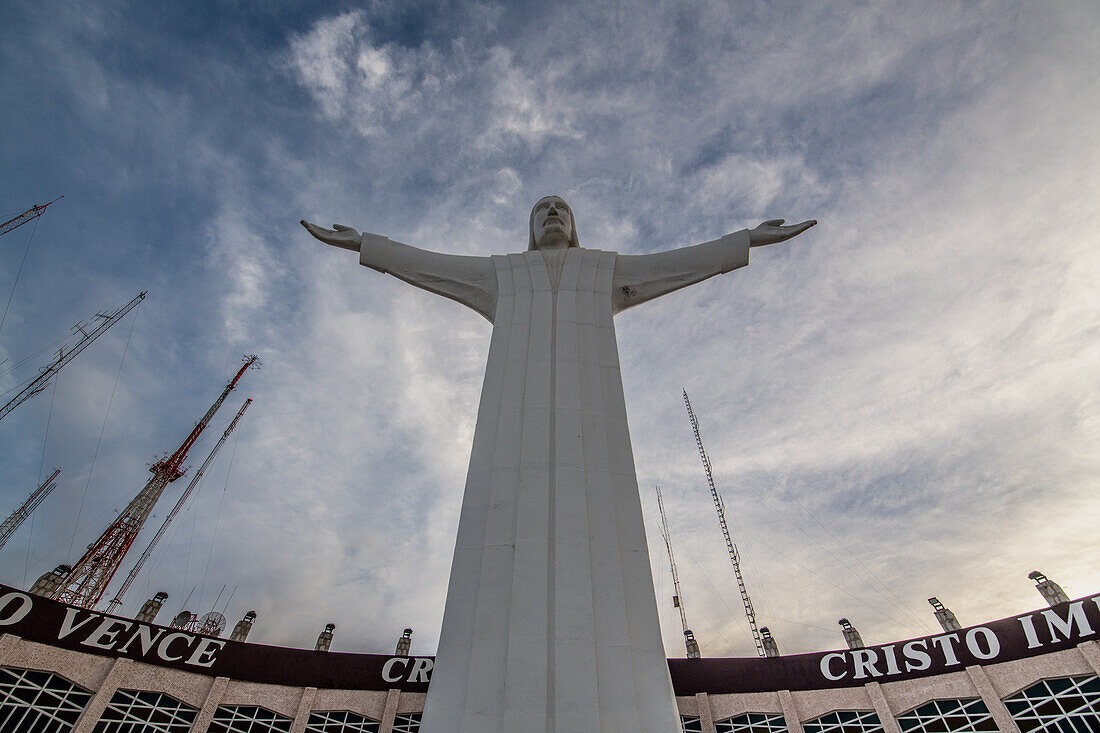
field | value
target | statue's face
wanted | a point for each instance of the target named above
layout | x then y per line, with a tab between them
552	224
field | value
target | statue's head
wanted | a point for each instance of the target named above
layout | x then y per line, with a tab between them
552	225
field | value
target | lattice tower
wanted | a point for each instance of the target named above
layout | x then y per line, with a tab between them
7	529
720	507
29	215
90	576
116	603
677	598
88	334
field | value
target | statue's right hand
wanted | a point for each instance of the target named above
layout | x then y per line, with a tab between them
338	236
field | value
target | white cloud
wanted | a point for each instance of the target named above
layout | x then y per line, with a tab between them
251	271
321	60
375	87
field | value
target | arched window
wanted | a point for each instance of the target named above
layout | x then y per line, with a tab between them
407	723
844	721
956	716
1063	705
691	724
148	712
39	702
248	719
340	721
752	723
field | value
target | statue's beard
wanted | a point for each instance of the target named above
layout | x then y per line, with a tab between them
554	231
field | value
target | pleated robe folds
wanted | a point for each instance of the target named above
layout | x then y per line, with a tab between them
550	621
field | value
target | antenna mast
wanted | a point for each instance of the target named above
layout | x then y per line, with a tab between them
719	505
677	600
40	382
116	602
7	529
30	214
88	580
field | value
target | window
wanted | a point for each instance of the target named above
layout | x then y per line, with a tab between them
955	716
407	723
138	711
845	721
1065	705
248	719
340	721
752	723
691	724
39	702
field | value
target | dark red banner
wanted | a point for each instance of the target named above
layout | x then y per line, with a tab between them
49	622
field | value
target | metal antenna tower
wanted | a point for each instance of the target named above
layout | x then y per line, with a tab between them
677	599
116	603
7	529
29	215
89	577
719	505
40	382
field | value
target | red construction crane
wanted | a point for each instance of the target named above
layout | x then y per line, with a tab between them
30	214
88	579
116	604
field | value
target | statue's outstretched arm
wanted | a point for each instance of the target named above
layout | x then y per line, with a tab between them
639	278
772	232
338	236
468	280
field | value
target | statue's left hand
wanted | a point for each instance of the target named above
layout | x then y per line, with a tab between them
773	231
338	236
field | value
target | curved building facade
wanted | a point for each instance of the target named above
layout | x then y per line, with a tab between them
65	669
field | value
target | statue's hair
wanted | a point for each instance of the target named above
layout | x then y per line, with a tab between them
574	240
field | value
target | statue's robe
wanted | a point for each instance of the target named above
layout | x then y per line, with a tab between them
550	622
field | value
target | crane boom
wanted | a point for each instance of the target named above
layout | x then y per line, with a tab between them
89	578
116	602
172	465
7	529
677	600
40	382
29	215
735	557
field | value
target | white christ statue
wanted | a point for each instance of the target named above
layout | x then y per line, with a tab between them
550	623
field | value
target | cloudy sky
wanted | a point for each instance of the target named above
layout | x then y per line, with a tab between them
902	402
